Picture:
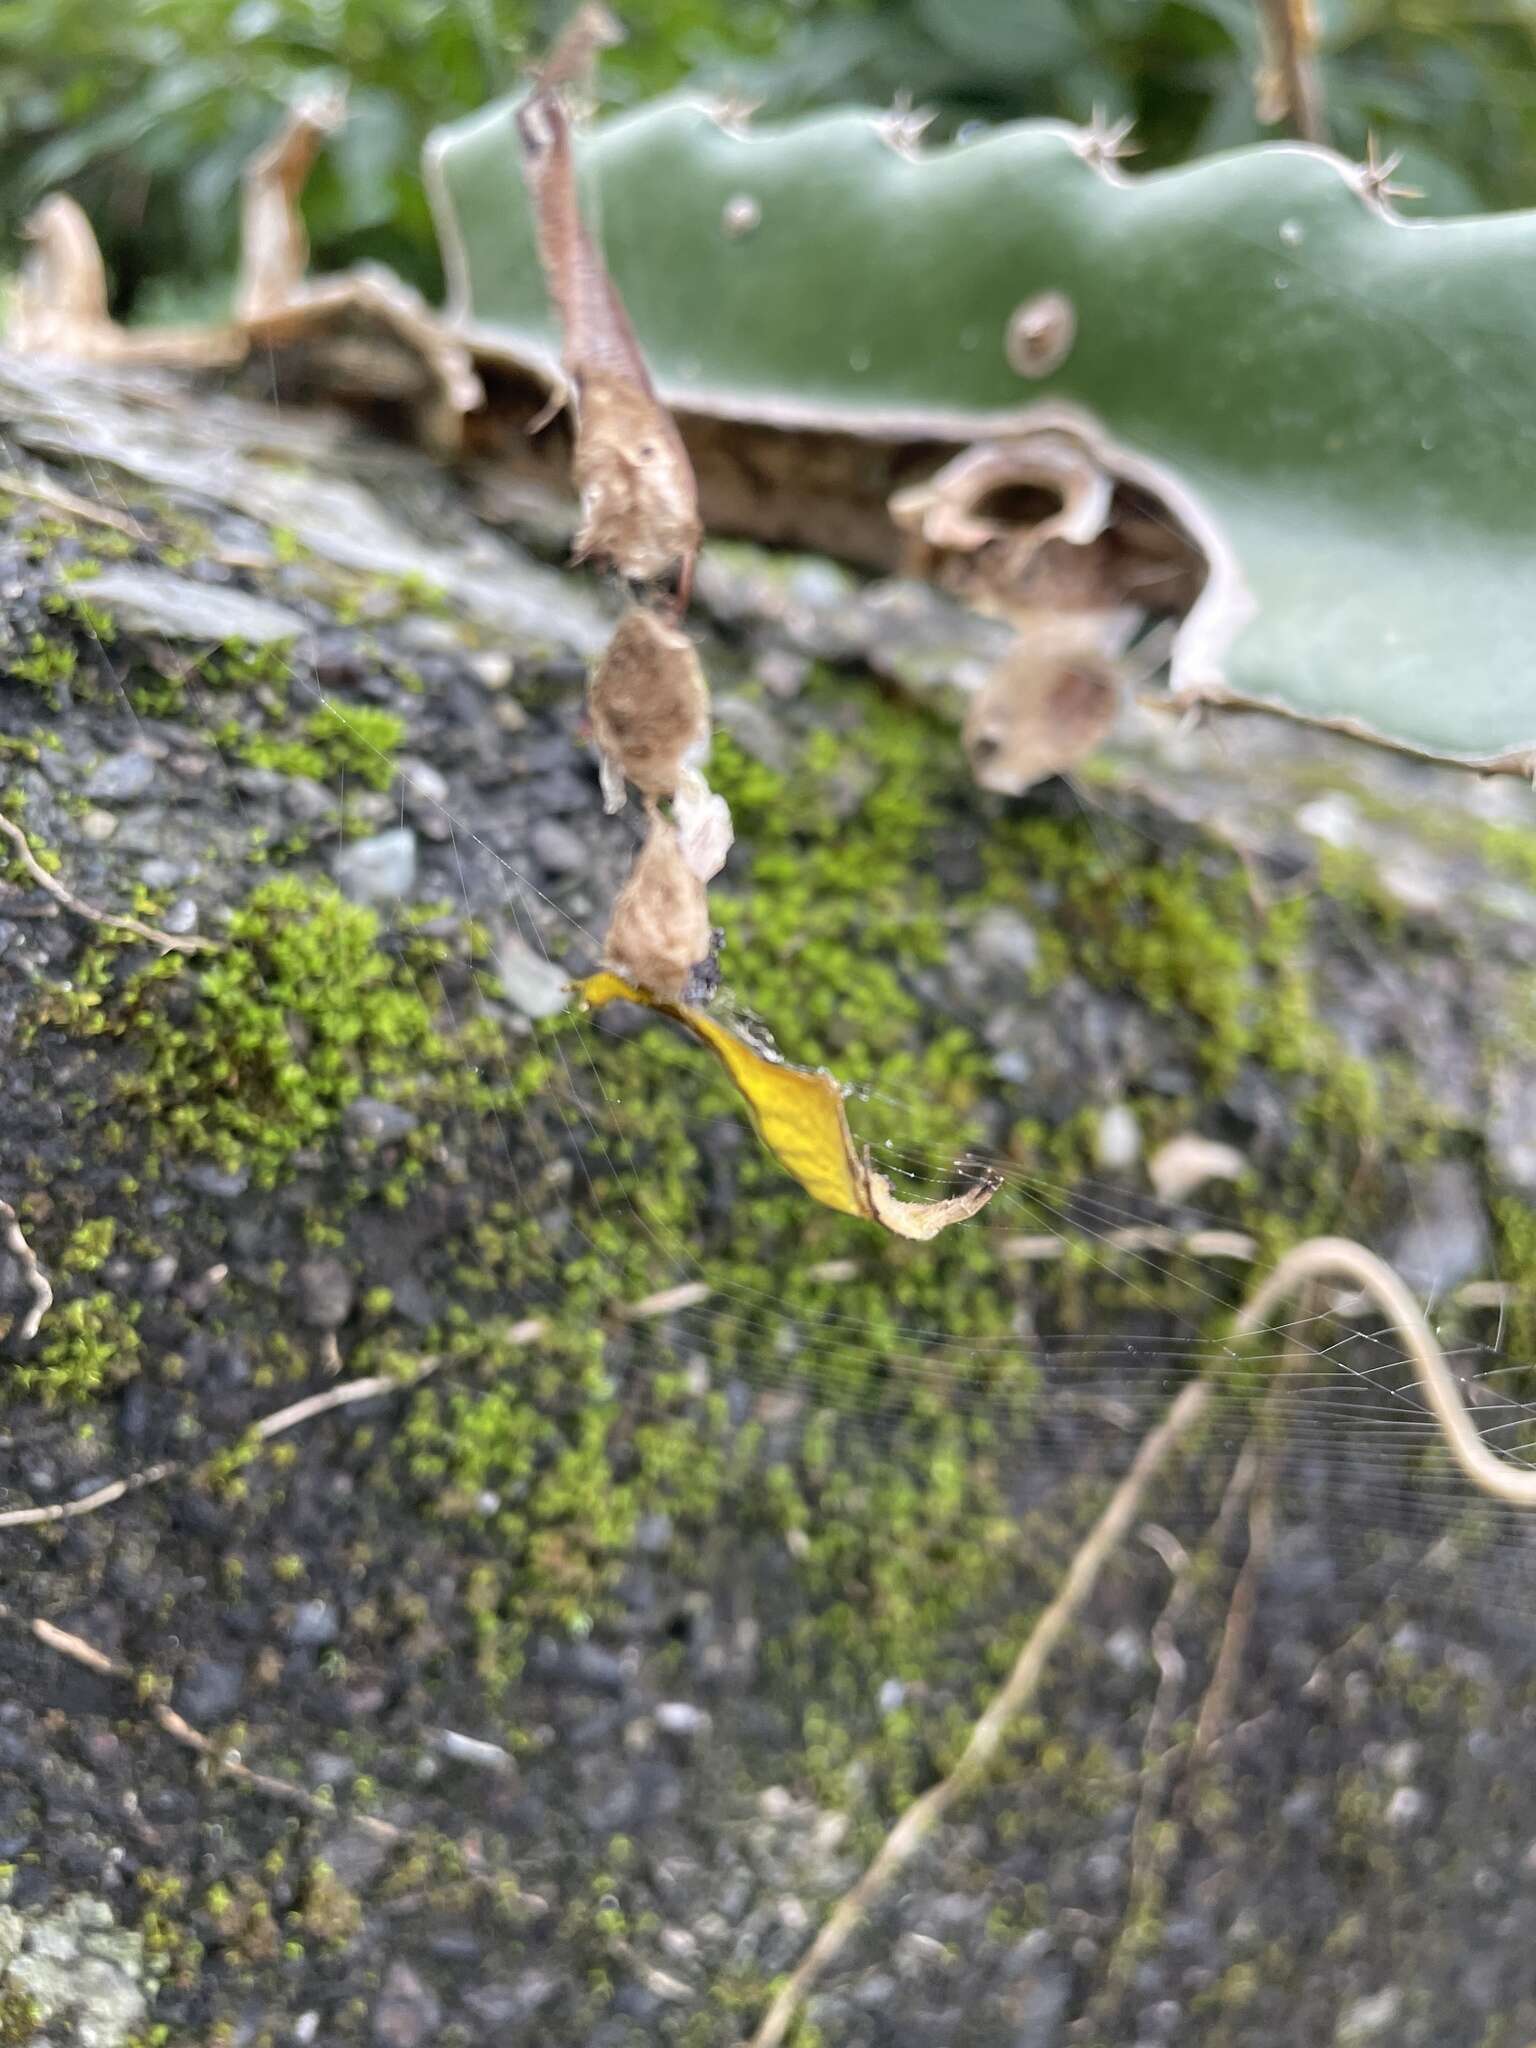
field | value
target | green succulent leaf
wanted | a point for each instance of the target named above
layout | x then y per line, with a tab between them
1339	405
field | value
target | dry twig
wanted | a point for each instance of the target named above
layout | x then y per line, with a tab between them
37	1279
344	1395
79	1651
1322	1259
1300	1270
46	493
168	942
986	1737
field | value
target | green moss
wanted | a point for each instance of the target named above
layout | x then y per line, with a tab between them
241	1923
553	1469
170	1946
1511	848
48	666
87	1344
89	1247
238	665
99	625
20	2018
359	741
1515	1225
327	1911
256	1053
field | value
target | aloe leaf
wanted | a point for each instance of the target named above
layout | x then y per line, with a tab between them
1336	405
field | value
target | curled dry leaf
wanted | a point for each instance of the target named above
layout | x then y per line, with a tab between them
274	246
981	499
639	502
798	1114
371	329
1045	706
649	706
365	330
59	303
61	294
1188	1161
660	928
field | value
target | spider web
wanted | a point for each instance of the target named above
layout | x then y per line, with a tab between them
1347	1384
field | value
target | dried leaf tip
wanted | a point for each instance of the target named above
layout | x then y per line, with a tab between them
572	59
923	1220
639	501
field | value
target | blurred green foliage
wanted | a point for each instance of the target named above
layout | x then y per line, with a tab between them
146	109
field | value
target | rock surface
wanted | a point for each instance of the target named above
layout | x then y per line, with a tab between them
583	1662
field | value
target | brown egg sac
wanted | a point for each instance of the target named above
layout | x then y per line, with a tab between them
649	706
660	928
1043	708
639	502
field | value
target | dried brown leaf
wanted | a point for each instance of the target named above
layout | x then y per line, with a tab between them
62	288
639	502
274	248
573	56
921	1220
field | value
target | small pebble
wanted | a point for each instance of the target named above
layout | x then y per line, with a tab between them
492	669
471	1750
215	1181
531	983
421	781
326	1293
307	800
381	1123
557	848
680	1717
408	2013
1405	1807
314	1624
1125	1648
1005	941
210	1690
380	869
120	778
1367	2019
1117	1141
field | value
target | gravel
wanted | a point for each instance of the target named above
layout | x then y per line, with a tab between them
378	870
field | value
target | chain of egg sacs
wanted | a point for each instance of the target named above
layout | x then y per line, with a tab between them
648	704
647	700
